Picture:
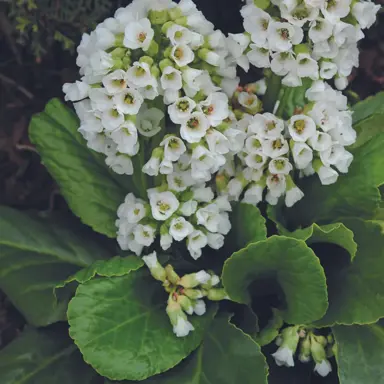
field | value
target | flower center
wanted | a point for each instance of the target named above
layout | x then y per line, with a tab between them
258	159
179	53
129	99
277	144
256	143
284	33
120	83
170	76
264	24
174	143
163	206
183	105
279	164
140	71
209	110
114	113
141	37
249	101
136	211
271	125
179	226
299	126
178	34
193	123
126	131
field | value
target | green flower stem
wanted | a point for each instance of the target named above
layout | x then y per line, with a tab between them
283	99
139	177
272	93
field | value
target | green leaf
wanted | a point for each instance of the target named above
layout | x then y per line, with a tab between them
226	356
248	226
356	292
353	195
35	254
292	264
336	233
90	188
360	353
121	327
43	357
368	118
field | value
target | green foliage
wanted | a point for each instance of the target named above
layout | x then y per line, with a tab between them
40	23
43	356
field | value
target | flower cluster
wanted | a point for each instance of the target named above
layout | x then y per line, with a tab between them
192	214
310	346
185	293
308	38
148	54
310	141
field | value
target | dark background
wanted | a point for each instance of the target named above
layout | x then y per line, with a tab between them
37	55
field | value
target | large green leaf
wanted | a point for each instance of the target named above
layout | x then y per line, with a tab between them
92	191
368	118
43	357
292	264
122	330
35	254
336	233
360	353
226	356
353	195
356	292
248	226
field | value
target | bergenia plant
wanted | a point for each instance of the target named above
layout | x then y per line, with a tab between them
239	226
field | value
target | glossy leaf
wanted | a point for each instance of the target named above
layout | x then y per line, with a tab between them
336	233
35	254
353	195
226	356
360	353
292	264
43	357
121	327
356	292
368	118
248	226
91	189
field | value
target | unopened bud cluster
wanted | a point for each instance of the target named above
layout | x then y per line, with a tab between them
311	141
186	293
150	53
308	346
303	38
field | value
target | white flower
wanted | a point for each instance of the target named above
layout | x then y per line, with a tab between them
171	79
236	139
100	100
150	91
283	62
280	165
254	194
292	79
256	160
276	184
179	35
166	167
199	307
282	36
196	241
152	166
179	181
188	208
135	212
180	228
302	155
148	121
248	100
336	154
128	102
138	34
174	147
215	240
144	234
181	109
211	57
194	128
328	70
190	77
76	91
335	10
284	356
203	194
198	22
204	162
166	241
100	63
215	108
182	327
341	82
267	126
115	82
112	119
259	56
217	142
365	13
301	128
209	217
170	96
234	188
320	30
120	163
182	55
139	75
105	39
275	147
292	196
321	141
163	205
306	66
229	86
257	25
237	44
327	175
150	260
299	15
126	138
323	368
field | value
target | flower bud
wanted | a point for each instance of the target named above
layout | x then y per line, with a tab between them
146	59
194	279
172	276
185	303
193	294
153	49
305	350
158	17
217	294
156	269
164	64
175	13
